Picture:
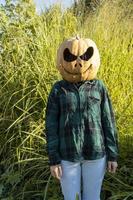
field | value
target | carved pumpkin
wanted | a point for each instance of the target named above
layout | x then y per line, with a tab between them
78	59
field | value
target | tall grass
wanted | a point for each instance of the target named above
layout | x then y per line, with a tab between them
28	47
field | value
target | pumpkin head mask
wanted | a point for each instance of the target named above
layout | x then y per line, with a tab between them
78	59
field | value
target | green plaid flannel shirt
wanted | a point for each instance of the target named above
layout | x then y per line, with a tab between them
80	122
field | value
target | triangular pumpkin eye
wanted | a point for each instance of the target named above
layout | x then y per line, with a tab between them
68	56
88	54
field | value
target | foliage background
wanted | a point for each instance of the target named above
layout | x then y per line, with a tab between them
28	44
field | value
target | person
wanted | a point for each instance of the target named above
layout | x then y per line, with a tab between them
81	133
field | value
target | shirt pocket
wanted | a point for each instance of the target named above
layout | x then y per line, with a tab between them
93	105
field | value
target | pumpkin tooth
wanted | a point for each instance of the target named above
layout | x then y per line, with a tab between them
77	73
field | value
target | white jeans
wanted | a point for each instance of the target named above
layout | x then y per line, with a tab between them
89	172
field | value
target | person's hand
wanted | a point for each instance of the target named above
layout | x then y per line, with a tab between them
112	166
56	171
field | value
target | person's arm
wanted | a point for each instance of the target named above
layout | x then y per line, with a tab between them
52	121
109	126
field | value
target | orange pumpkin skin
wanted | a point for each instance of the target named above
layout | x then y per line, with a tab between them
78	59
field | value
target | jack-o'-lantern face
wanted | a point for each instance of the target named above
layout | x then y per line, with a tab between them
78	59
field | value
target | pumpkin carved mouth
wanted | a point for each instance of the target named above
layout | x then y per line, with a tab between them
78	72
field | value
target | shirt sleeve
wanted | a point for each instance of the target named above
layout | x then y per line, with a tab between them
51	124
109	126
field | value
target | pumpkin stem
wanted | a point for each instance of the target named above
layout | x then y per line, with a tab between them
77	37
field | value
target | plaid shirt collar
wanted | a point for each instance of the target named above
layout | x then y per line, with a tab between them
83	83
